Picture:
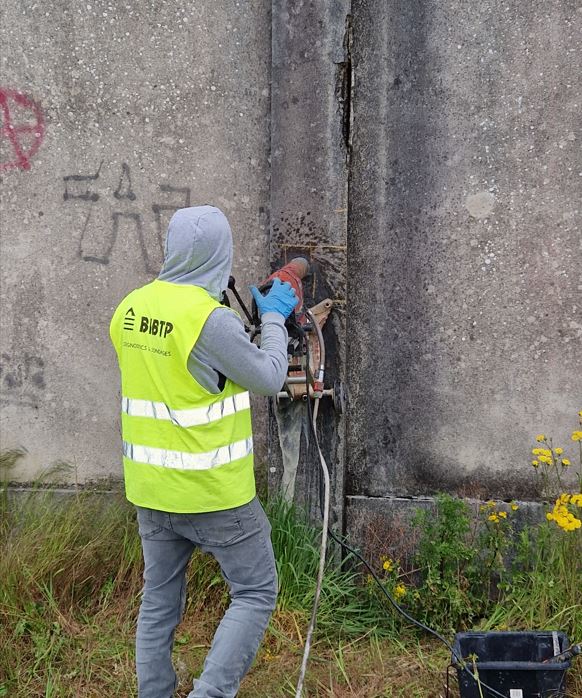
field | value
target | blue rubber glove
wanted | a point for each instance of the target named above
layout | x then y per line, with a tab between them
280	299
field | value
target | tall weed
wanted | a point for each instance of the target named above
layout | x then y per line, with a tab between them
344	607
545	588
473	570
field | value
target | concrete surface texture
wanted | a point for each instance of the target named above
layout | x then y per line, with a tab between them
465	244
122	112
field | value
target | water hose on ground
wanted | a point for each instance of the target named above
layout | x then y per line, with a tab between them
322	557
325	504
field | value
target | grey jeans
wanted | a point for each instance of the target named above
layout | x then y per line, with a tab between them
240	541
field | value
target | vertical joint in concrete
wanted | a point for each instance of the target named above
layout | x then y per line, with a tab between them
310	139
344	86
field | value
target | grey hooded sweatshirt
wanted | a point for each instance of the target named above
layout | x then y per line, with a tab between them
198	252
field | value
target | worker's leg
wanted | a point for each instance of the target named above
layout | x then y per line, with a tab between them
241	542
166	555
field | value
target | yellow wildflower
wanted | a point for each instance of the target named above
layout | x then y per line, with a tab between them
399	591
503	514
493	517
514	506
576	499
563	517
577	436
491	504
540	438
545	459
541	452
535	463
388	565
566	462
559	451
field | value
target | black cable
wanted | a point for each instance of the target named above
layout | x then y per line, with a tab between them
411	619
354	552
399	608
344	545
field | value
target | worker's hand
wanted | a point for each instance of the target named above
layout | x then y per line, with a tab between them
280	299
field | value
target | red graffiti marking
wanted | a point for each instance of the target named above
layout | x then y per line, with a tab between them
24	138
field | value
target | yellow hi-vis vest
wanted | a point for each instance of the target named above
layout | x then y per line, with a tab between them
184	449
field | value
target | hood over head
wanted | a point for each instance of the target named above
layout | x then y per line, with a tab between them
198	249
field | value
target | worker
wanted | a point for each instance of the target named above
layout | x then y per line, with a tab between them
187	365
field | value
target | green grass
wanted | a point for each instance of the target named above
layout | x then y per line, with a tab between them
345	607
70	578
545	589
473	572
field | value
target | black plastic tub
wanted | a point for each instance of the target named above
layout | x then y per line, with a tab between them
512	663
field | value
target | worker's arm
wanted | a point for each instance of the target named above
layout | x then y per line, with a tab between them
225	348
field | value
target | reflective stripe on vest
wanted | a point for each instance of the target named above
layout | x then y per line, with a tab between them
186	418
179	460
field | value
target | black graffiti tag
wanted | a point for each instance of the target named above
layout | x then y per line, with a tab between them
97	245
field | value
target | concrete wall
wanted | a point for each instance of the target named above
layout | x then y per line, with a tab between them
459	337
438	141
465	245
130	111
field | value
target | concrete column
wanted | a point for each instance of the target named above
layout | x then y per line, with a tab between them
310	123
465	246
